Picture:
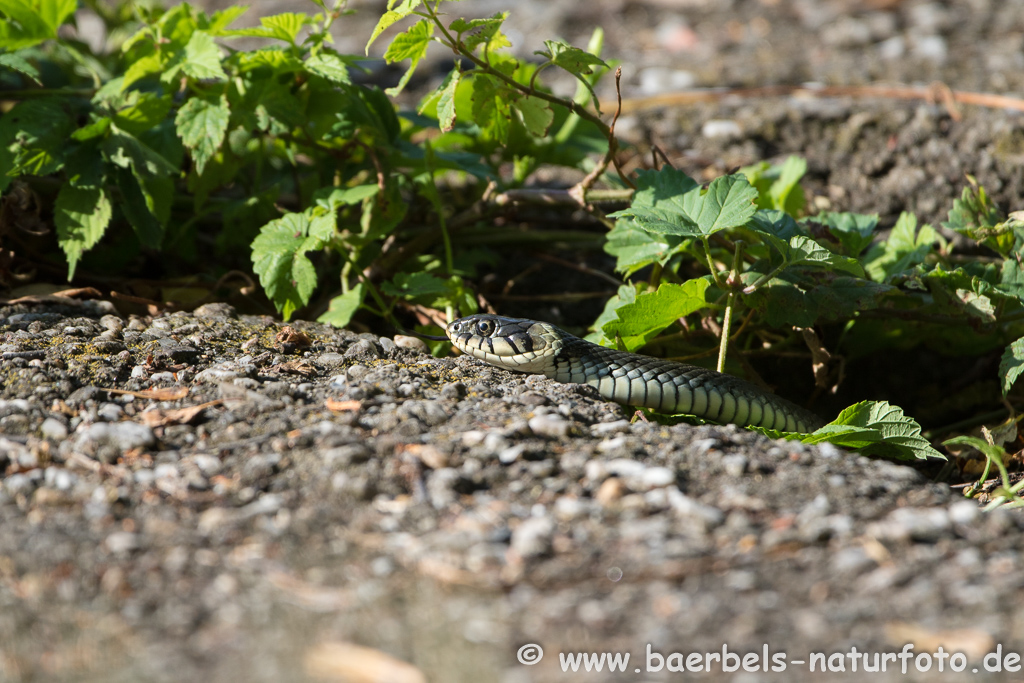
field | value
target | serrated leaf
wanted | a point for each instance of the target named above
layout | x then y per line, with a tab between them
901	434
536	114
336	197
728	203
138	209
905	248
31	22
411	45
486	31
16	63
626	295
285	26
976	216
634	248
202	58
344	306
574	60
35	135
127	151
854	231
149	111
141	68
330	66
446	101
391	17
1011	365
805	251
201	125
279	258
81	215
221	19
774	222
639	322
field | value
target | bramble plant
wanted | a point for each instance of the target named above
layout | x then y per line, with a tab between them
176	141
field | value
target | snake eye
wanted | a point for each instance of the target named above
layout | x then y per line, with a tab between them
485	327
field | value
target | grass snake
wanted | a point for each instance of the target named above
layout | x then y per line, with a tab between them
628	378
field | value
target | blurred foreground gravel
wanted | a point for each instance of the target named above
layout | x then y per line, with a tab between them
340	490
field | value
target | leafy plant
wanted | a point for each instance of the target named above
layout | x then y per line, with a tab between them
177	140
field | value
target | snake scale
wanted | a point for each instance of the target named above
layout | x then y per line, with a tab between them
627	378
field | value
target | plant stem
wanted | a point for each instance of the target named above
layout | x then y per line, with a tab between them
711	264
723	347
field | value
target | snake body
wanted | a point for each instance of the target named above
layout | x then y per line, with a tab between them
627	378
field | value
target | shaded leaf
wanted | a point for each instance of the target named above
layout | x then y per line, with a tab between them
201	125
81	215
1011	365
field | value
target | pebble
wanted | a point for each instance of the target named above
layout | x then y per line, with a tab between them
550	426
121	435
532	538
411	343
907	523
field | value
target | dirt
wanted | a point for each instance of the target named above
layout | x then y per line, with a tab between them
340	507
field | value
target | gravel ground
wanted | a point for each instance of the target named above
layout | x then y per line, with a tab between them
292	506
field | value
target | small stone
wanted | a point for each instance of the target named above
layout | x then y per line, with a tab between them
735	464
122	436
473	437
122	542
441	487
387	345
828	451
111	412
53	429
551	426
908	523
964	512
411	343
657	477
610	491
341	456
511	454
851	561
532	538
364	349
721	129
606	428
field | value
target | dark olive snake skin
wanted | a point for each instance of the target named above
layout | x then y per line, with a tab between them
628	378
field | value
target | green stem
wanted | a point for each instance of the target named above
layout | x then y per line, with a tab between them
763	279
711	264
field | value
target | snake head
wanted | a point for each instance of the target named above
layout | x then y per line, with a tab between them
511	343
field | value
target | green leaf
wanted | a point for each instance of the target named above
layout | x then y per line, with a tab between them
786	193
991	451
201	125
15	63
81	215
485	32
775	222
651	312
855	231
634	248
391	17
343	307
728	203
141	68
804	251
873	428
30	22
333	198
975	215
1012	364
139	208
659	197
145	114
35	133
411	45
446	101
202	58
900	434
329	66
221	19
279	258
412	285
285	26
625	295
574	60
536	114
905	248
127	151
